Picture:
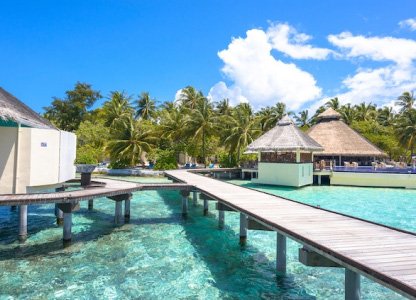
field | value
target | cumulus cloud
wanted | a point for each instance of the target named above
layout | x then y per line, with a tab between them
401	51
261	78
409	23
288	40
254	72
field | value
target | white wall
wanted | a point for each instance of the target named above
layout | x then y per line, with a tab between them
67	156
374	179
44	157
285	174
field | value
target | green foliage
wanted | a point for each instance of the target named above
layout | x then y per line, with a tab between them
119	163
165	160
87	155
227	160
69	112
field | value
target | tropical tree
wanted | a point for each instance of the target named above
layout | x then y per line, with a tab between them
201	124
243	128
223	107
269	116
348	113
117	109
130	141
365	112
406	101
333	103
302	119
69	112
146	107
385	116
406	130
190	97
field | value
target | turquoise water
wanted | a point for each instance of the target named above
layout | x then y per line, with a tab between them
393	207
158	255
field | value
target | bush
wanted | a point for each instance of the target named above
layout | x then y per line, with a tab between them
227	160
87	155
119	164
165	160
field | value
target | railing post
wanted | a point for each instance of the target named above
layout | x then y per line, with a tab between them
352	285
22	223
243	229
281	253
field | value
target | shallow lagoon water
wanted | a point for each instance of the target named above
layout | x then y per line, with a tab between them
158	255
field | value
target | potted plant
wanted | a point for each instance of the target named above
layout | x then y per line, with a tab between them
86	162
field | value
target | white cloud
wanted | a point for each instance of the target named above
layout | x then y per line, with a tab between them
286	39
409	23
400	51
221	91
261	78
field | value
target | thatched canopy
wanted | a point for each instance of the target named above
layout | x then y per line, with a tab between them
338	139
11	109
285	136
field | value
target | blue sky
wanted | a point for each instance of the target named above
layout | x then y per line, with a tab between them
298	52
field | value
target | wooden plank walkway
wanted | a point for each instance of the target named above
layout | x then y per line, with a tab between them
381	253
103	188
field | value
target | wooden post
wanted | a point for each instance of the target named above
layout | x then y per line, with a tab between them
243	229
67	230
243	175
281	253
127	209
195	198
319	179
90	205
352	285
221	219
118	214
22	223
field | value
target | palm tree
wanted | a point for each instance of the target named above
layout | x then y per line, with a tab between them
146	107
365	112
269	116
117	109
303	119
348	113
201	123
333	103
385	116
130	141
172	124
223	107
190	97
406	101
243	128
406	130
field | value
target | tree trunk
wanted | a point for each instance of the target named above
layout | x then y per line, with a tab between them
203	148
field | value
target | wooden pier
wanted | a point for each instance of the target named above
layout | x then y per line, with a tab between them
383	254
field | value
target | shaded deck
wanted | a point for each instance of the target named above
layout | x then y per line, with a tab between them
381	253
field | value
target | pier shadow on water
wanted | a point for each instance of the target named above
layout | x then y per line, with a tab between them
236	270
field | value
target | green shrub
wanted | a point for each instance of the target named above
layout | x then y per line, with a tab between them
87	155
227	160
165	160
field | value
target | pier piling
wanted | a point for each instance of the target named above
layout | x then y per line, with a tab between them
221	219
90	205
352	285
127	209
67	226
281	253
185	195
195	198
22	223
118	214
243	229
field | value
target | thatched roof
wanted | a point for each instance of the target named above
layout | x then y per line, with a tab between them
11	109
338	139
285	136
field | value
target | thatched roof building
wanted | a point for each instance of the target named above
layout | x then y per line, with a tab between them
339	140
285	136
14	111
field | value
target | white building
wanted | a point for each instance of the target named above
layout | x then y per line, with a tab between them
33	153
285	155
